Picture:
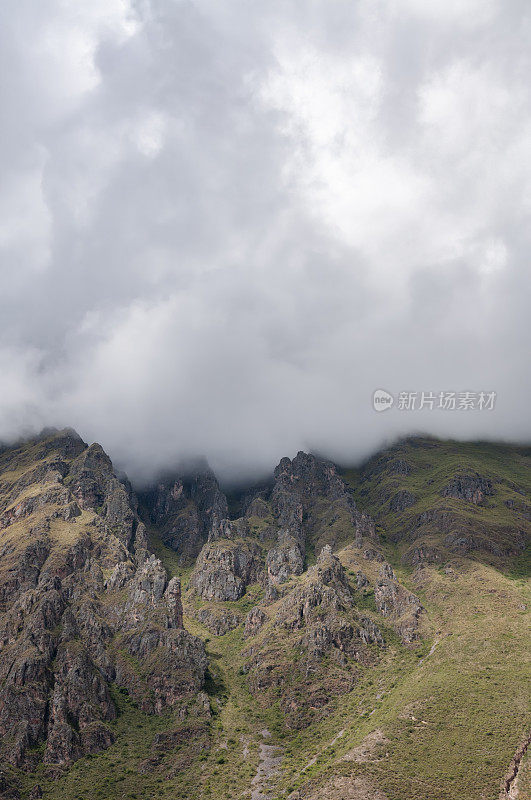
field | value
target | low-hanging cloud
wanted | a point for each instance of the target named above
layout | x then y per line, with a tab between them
223	225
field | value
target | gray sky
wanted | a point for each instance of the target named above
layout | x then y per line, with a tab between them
223	225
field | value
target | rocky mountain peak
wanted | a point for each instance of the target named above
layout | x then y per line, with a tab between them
189	510
66	633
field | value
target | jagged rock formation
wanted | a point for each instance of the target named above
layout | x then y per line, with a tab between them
401	501
254	621
224	568
189	511
472	488
314	624
308	499
91	481
308	505
393	600
219	621
286	558
83	605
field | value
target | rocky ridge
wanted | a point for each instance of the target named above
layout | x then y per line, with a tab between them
306	614
188	511
307	506
85	607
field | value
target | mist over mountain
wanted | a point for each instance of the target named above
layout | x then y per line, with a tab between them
224	227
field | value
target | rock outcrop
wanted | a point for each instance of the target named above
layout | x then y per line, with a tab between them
219	621
311	505
189	511
308	504
285	559
92	482
224	568
394	601
313	624
473	488
254	622
83	605
401	501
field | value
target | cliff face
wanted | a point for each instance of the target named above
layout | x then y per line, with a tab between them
310	646
308	636
83	606
307	507
188	511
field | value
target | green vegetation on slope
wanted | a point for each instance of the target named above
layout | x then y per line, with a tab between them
450	719
431	465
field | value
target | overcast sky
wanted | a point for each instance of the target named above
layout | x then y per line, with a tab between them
223	225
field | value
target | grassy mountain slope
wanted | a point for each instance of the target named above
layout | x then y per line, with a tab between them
423	468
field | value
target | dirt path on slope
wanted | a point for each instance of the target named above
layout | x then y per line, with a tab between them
510	789
268	767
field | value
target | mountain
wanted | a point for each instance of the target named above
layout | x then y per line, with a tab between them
357	634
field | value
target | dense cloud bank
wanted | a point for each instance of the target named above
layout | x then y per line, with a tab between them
223	225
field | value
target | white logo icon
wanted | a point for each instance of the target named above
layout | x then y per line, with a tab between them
382	400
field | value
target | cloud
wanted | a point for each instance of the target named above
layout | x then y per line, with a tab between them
223	226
